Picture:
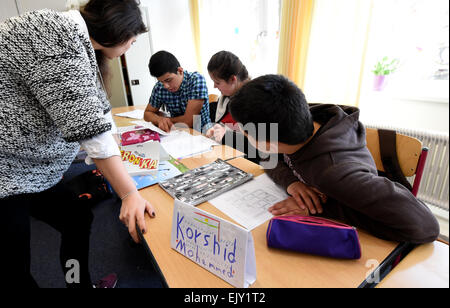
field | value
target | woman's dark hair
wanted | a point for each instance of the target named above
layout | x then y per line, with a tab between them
111	23
273	99
225	64
163	62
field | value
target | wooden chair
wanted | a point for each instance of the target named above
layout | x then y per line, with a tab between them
213	98
411	155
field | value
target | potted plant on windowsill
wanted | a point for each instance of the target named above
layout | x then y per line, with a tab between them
383	68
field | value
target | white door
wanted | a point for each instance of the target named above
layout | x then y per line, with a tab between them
137	58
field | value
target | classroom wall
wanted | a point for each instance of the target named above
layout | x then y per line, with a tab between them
170	28
31	5
8	9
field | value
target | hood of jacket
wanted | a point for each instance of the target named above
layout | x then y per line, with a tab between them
340	131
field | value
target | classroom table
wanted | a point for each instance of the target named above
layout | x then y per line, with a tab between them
426	266
275	268
222	152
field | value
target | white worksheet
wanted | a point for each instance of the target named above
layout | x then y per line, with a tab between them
135	114
183	144
248	204
151	126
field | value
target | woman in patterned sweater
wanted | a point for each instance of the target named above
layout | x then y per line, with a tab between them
51	103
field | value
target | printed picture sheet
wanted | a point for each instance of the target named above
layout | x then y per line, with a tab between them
248	204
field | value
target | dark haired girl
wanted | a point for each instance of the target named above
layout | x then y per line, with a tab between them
229	74
52	101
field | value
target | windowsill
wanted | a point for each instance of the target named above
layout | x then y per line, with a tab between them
406	107
434	91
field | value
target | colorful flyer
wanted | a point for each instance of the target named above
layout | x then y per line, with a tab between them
167	169
141	158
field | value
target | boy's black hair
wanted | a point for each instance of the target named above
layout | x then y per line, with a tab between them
274	99
163	62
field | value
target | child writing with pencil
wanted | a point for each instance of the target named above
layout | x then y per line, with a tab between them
183	93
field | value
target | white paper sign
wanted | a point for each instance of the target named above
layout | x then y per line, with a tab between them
135	114
221	247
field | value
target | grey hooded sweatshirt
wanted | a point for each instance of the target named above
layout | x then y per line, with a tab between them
337	162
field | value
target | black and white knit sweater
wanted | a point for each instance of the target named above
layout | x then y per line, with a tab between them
50	99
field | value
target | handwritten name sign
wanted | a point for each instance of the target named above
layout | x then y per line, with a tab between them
221	247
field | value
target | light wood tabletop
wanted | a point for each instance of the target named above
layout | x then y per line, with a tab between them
275	268
426	266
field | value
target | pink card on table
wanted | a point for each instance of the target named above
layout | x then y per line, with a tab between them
139	136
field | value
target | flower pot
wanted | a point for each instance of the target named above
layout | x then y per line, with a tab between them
379	82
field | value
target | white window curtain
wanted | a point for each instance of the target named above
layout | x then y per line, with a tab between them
337	50
249	29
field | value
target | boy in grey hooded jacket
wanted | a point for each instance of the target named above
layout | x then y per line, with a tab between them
325	165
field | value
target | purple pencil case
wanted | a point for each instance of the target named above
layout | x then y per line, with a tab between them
314	235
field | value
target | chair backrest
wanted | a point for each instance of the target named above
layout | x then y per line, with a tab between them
213	98
410	153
